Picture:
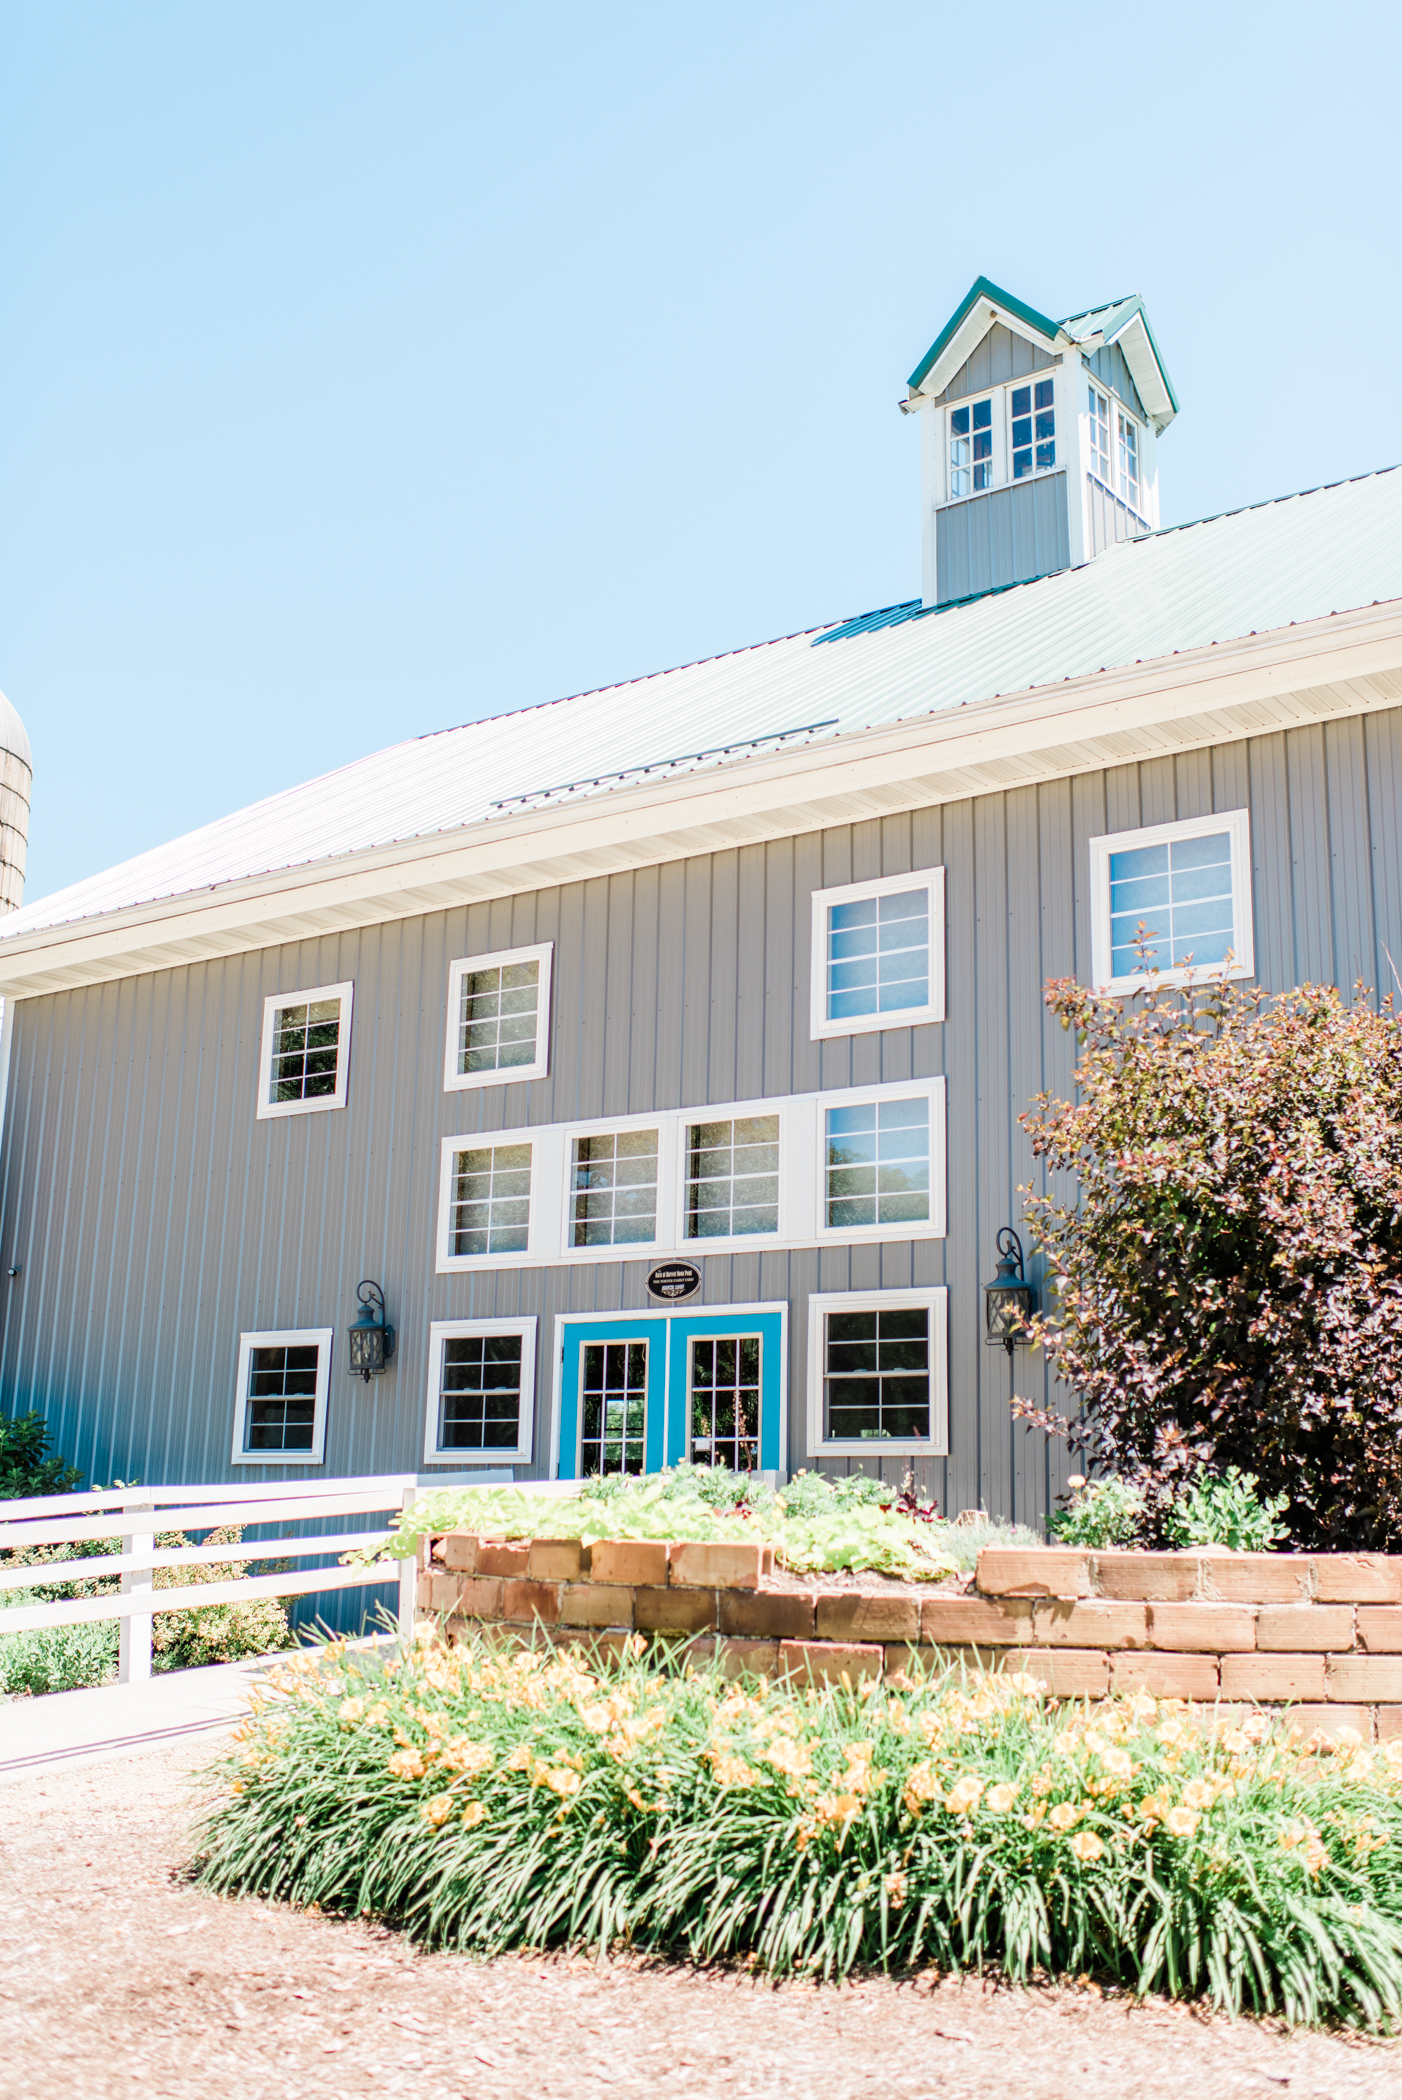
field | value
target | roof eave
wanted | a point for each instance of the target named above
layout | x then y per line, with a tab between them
981	290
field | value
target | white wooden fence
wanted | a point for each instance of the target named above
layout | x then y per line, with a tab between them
138	1514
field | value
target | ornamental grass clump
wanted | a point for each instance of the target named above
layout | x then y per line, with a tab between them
485	1799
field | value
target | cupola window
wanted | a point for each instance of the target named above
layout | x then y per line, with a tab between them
1034	428
971	447
1129	458
1100	462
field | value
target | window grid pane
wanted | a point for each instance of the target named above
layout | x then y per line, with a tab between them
613	1192
725	1401
732	1177
497	1017
878	955
491	1200
877	1164
1100	438
1181	892
876	1375
281	1410
613	1380
1129	460
479	1394
1033	427
306	1046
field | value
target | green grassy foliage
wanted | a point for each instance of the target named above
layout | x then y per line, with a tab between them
486	1799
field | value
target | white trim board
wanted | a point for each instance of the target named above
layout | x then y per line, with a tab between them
936	1445
278	1002
441	1331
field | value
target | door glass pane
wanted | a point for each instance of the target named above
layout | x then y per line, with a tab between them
613	1402
725	1401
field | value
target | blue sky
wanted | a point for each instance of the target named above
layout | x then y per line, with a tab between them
369	368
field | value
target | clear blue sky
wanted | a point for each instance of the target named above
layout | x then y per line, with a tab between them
368	368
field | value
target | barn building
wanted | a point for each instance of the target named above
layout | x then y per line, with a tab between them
658	1053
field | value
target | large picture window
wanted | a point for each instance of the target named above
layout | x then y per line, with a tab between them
1187	886
280	1411
498	1018
877	1369
491	1199
878	954
732	1178
481	1392
876	1163
304	1060
613	1194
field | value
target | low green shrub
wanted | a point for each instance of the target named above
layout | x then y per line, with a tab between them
1227	1510
815	1525
1100	1513
56	1658
27	1466
484	1800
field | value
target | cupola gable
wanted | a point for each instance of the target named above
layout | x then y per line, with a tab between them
1039	439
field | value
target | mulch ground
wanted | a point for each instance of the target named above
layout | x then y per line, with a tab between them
120	1979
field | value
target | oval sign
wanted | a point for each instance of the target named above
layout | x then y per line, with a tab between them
673	1280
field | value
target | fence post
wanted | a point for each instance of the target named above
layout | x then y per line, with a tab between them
408	1578
134	1640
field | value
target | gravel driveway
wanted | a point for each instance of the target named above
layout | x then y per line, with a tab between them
119	1980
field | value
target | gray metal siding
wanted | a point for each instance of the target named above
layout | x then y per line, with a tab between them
153	1218
1109	366
1110	520
1002	355
1009	535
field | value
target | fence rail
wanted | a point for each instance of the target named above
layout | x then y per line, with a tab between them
138	1515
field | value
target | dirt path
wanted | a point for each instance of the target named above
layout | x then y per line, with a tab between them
119	1980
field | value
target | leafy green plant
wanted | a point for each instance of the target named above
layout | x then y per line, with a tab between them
1100	1513
483	1800
56	1658
27	1466
1223	1233
1226	1510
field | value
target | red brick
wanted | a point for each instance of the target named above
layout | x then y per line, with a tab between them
597	1647
1039	1571
1258	1578
1358	1578
1369	1679
1154	1578
596	1604
1068	1673
1379	1628
905	1660
827	1662
1389	1723
740	1658
1305	1628
1166	1676
1273	1677
674	1611
635	1561
459	1550
495	1557
530	1601
1090	1625
847	1615
955	1621
1328	1720
1203	1629
712	1566
470	1596
557	1560
766	1615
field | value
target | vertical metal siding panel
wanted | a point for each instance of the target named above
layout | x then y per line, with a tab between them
542	922
616	903
671	982
696	1036
1026	1477
646	954
952	562
779	989
962	1066
751	971
1124	811
864	1067
1158	791
809	874
575	999
1306	763
725	963
1090	818
592	1078
839	865
1057	886
1193	784
1272	862
1383	758
996	1194
896	1044
1351	871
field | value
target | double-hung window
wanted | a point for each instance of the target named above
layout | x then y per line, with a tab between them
304	1064
878	954
1034	427
498	1018
280	1410
1184	890
878	1372
481	1392
971	447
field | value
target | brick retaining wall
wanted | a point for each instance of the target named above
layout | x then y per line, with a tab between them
1320	1631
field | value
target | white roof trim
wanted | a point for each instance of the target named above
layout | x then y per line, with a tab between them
966	339
1344	664
1144	370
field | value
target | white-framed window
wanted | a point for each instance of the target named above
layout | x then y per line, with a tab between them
878	1372
1033	408
304	1063
878	954
1129	457
498	1017
1188	885
280	1406
1101	463
481	1392
971	447
807	1170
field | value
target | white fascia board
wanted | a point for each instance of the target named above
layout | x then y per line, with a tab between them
1138	353
966	339
1317	671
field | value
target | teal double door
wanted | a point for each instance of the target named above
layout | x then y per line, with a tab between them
639	1391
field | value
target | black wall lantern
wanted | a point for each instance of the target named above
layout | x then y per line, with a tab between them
371	1339
1008	1298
